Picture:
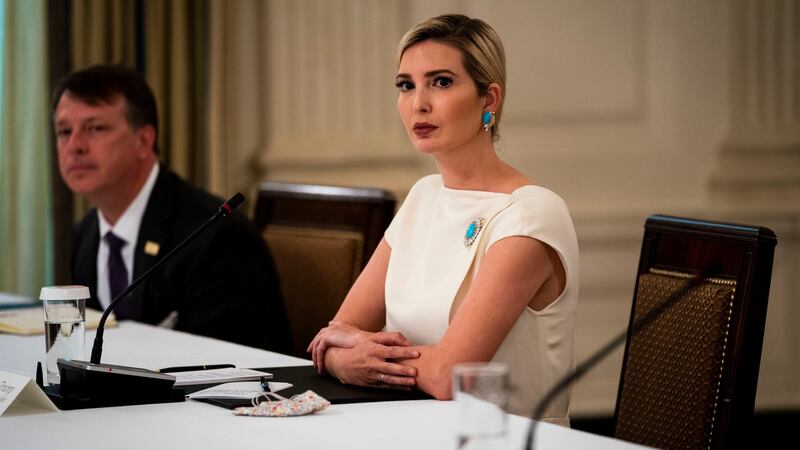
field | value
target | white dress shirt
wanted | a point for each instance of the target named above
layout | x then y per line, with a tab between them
127	228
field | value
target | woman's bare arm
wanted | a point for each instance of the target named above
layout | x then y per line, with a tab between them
516	272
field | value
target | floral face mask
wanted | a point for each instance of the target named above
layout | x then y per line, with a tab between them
306	403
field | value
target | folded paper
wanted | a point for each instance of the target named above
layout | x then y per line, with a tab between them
21	395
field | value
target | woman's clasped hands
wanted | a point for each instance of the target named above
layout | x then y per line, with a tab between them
364	358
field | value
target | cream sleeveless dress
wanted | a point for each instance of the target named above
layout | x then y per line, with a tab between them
431	269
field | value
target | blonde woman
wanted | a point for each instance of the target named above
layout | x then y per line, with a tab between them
480	263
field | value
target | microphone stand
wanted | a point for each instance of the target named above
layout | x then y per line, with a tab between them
600	354
92	384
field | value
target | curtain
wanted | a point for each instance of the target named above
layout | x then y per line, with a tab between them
103	31
26	229
237	96
175	60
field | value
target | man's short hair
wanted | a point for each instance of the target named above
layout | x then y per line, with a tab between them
103	83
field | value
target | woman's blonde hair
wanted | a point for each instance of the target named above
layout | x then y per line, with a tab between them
481	49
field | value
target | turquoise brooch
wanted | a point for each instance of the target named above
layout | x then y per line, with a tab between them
473	230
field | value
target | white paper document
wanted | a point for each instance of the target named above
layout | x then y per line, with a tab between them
243	390
212	376
28	321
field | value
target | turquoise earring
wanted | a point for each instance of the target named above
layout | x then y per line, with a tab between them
487	119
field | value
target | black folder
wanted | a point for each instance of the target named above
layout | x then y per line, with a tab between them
304	378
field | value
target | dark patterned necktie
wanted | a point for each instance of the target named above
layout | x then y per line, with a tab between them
117	273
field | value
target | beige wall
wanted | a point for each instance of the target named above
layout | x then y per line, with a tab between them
621	106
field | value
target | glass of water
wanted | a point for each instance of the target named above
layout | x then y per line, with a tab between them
481	391
64	326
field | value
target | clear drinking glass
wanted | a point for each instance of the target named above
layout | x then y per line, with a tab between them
480	391
64	326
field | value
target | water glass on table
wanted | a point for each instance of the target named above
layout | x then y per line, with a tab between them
64	326
481	391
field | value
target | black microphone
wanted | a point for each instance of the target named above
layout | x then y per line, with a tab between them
91	384
604	351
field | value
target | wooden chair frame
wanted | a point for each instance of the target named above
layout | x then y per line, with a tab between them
740	253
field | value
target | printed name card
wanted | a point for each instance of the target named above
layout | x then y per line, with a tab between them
21	395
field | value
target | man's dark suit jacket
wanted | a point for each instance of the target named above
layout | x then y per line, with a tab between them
223	284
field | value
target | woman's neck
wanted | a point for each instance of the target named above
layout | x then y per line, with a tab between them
475	166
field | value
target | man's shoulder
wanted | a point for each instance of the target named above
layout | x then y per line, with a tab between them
189	205
188	195
175	200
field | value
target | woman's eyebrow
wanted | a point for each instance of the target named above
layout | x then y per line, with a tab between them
433	73
429	74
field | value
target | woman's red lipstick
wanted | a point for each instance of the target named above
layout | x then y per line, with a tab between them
424	129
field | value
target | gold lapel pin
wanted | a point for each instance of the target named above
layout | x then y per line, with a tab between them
151	248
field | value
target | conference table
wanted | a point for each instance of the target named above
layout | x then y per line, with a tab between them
401	425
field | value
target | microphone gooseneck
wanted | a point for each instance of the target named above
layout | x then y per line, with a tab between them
600	354
224	210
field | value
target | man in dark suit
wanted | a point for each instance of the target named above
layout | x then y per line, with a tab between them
223	284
